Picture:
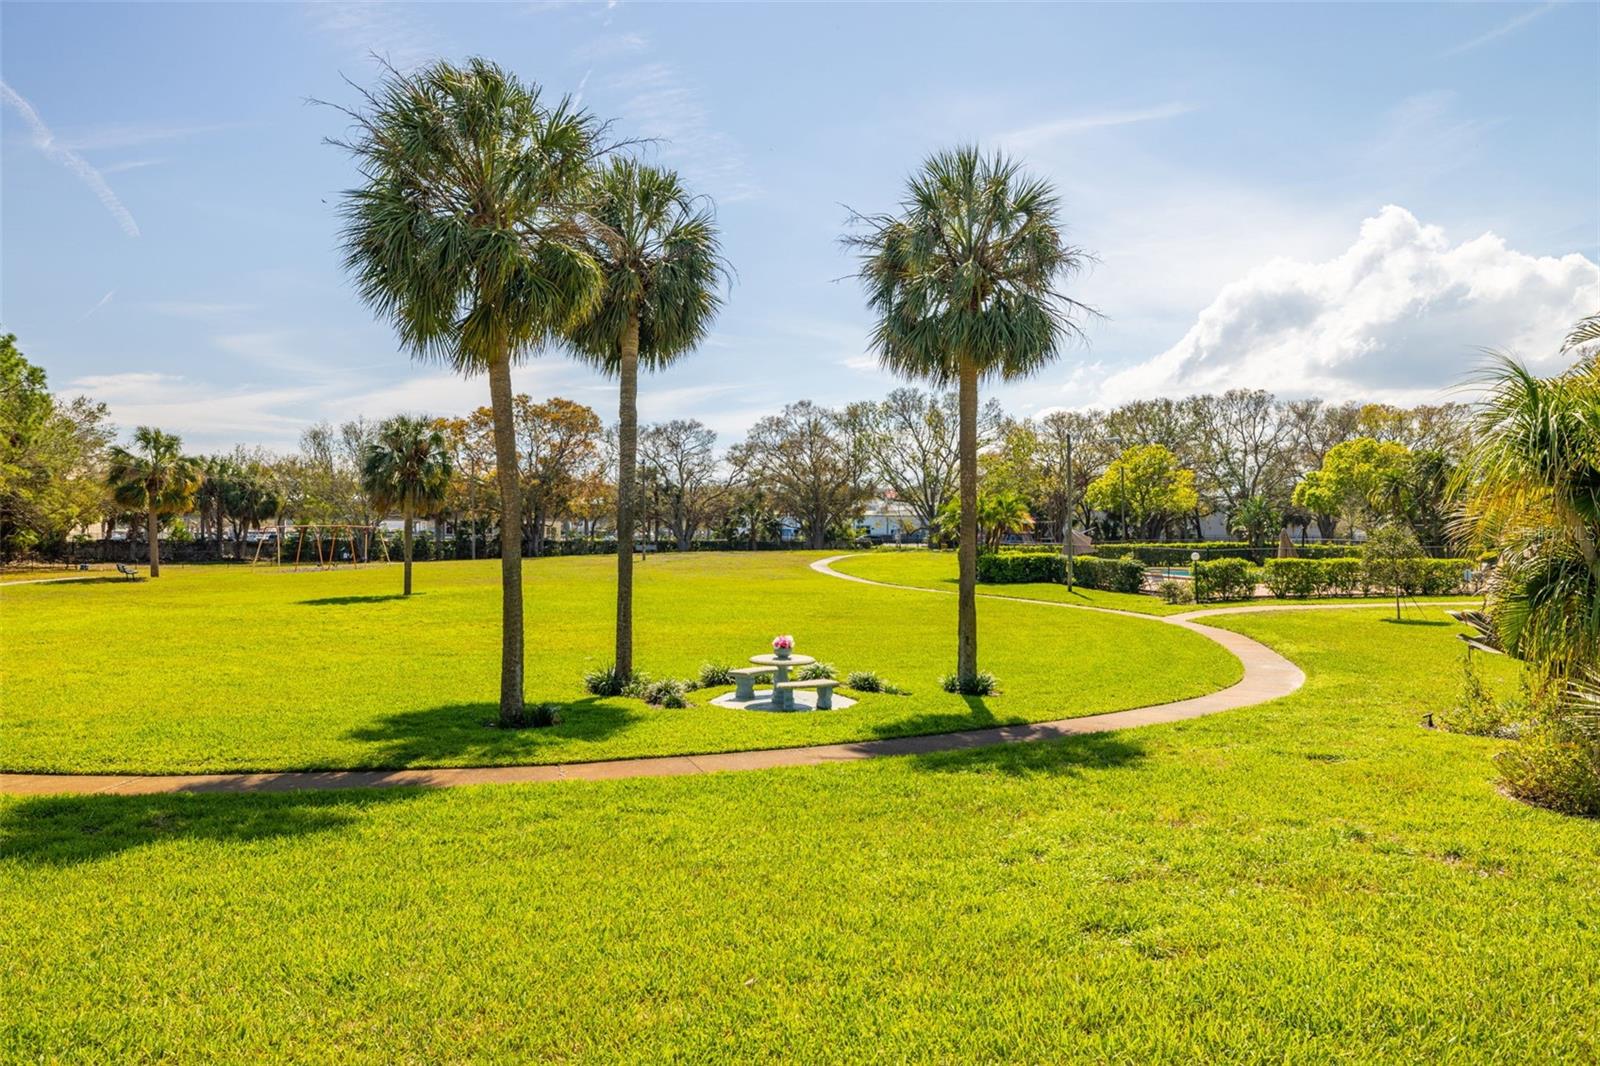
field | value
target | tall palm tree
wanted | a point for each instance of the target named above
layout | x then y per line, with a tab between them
964	281
154	477
466	234
659	250
407	467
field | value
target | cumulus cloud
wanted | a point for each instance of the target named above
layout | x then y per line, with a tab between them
1400	315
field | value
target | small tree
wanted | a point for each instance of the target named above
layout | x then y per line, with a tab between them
1392	558
155	477
408	467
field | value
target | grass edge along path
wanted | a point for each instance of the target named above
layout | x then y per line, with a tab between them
1267	676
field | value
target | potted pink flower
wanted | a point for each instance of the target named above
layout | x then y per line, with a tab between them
782	646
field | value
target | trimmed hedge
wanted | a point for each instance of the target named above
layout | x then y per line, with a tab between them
1176	553
1109	575
1301	578
1034	567
1021	568
1226	579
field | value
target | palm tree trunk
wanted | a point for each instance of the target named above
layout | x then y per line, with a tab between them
967	448
152	529
505	452
627	456
405	542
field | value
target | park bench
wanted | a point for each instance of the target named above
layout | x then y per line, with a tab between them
823	687
745	681
127	571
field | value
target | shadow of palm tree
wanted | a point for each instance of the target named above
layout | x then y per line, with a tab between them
1063	757
977	716
347	601
469	733
56	582
68	830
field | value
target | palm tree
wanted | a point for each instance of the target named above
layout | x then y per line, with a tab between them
964	283
466	235
1531	488
156	478
406	467
658	248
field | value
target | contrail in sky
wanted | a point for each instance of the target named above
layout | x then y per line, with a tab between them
45	141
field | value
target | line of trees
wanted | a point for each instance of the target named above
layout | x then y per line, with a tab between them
1146	470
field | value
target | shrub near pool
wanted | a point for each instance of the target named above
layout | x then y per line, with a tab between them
1299	578
1028	568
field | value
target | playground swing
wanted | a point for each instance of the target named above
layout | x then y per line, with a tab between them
336	536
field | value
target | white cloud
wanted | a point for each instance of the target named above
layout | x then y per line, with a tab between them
1401	315
1032	137
202	413
46	142
1512	24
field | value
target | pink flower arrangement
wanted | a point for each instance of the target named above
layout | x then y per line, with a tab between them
783	643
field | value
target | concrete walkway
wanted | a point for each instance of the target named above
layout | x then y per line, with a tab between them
1267	676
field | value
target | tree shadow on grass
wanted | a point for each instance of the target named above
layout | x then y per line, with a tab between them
1417	622
977	716
1062	757
347	601
56	582
468	733
69	830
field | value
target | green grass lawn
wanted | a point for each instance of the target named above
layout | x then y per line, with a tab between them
229	668
1314	880
937	570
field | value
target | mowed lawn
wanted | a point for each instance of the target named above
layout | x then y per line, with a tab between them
229	668
1317	879
937	570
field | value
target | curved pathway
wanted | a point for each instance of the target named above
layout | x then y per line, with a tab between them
1267	676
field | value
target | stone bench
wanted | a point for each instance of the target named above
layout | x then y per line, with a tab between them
783	693
744	680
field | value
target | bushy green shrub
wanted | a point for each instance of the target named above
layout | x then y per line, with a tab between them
1109	575
1353	577
1176	591
1016	568
665	692
1176	553
1297	578
609	681
1225	579
1476	710
868	681
715	674
815	672
982	683
1554	764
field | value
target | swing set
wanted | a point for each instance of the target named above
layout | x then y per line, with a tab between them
335	543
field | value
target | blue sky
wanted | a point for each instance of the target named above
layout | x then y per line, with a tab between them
1342	200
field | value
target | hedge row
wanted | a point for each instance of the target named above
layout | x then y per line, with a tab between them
1112	575
1021	568
1225	579
1299	578
1033	567
1176	553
